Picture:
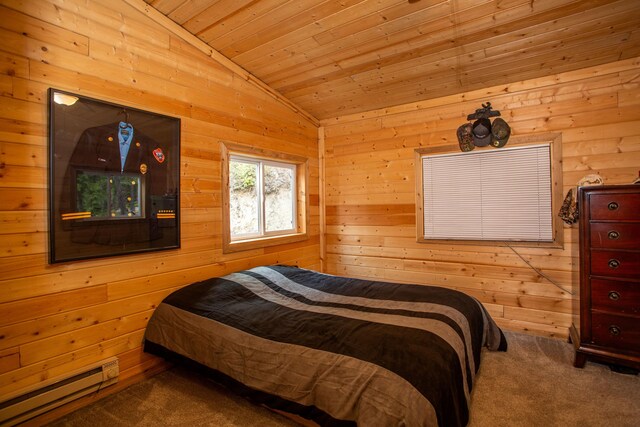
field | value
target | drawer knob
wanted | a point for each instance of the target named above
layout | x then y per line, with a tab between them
614	330
614	296
613	235
613	206
614	263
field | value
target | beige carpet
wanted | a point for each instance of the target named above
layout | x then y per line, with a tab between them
533	384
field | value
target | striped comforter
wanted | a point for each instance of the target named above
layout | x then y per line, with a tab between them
355	351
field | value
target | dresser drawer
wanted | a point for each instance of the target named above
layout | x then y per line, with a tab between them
615	263
616	296
614	206
615	235
621	332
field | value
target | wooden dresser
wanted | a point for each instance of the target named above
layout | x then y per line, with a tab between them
609	326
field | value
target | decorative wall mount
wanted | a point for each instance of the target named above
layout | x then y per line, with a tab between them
113	179
482	132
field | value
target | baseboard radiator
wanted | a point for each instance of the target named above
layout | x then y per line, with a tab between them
58	391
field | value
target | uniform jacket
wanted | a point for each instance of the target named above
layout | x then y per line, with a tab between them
98	149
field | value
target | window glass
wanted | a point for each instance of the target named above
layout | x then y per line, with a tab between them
279	188
244	200
261	197
265	198
103	195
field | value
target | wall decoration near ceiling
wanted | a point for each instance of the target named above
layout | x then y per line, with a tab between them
113	179
482	132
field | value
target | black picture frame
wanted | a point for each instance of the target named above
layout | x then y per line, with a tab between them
106	199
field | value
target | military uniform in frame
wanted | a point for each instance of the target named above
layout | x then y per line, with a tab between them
98	151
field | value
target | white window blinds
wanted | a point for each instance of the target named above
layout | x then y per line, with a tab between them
491	195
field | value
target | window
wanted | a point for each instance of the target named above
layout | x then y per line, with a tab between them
261	197
505	195
102	195
264	197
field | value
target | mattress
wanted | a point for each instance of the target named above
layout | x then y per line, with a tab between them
334	349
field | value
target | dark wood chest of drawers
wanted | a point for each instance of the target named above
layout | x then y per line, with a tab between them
609	305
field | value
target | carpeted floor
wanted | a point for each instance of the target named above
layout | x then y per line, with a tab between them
533	384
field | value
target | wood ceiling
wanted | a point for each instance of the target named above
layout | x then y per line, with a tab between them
337	57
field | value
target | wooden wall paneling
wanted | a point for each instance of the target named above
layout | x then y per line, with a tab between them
75	318
22	244
17	199
264	90
524	89
107	54
6	84
9	359
511	289
527	91
357	55
369	162
20	154
13	66
398	127
23	309
508	286
499	298
462	267
322	197
504	258
58	318
95	272
67	342
28	375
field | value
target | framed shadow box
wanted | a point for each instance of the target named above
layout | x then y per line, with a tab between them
113	179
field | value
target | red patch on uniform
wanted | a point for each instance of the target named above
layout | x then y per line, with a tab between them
159	155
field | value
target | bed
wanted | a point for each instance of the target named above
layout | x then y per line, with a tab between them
336	350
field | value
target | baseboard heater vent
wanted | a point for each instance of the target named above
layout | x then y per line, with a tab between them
58	391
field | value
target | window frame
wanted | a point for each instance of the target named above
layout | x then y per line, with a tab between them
555	143
262	199
301	197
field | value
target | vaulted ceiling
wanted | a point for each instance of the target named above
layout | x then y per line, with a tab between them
337	57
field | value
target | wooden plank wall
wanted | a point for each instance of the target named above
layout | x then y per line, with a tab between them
58	318
370	188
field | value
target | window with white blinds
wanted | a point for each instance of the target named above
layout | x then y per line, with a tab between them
500	195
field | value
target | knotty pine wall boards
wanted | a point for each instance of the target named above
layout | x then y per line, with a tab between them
369	186
58	318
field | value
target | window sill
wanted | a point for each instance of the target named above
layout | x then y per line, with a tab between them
262	242
556	244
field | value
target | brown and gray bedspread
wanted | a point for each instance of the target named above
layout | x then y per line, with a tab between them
365	352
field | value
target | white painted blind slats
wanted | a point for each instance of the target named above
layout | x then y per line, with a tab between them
491	195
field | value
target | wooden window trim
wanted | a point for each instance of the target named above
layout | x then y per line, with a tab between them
302	199
555	142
